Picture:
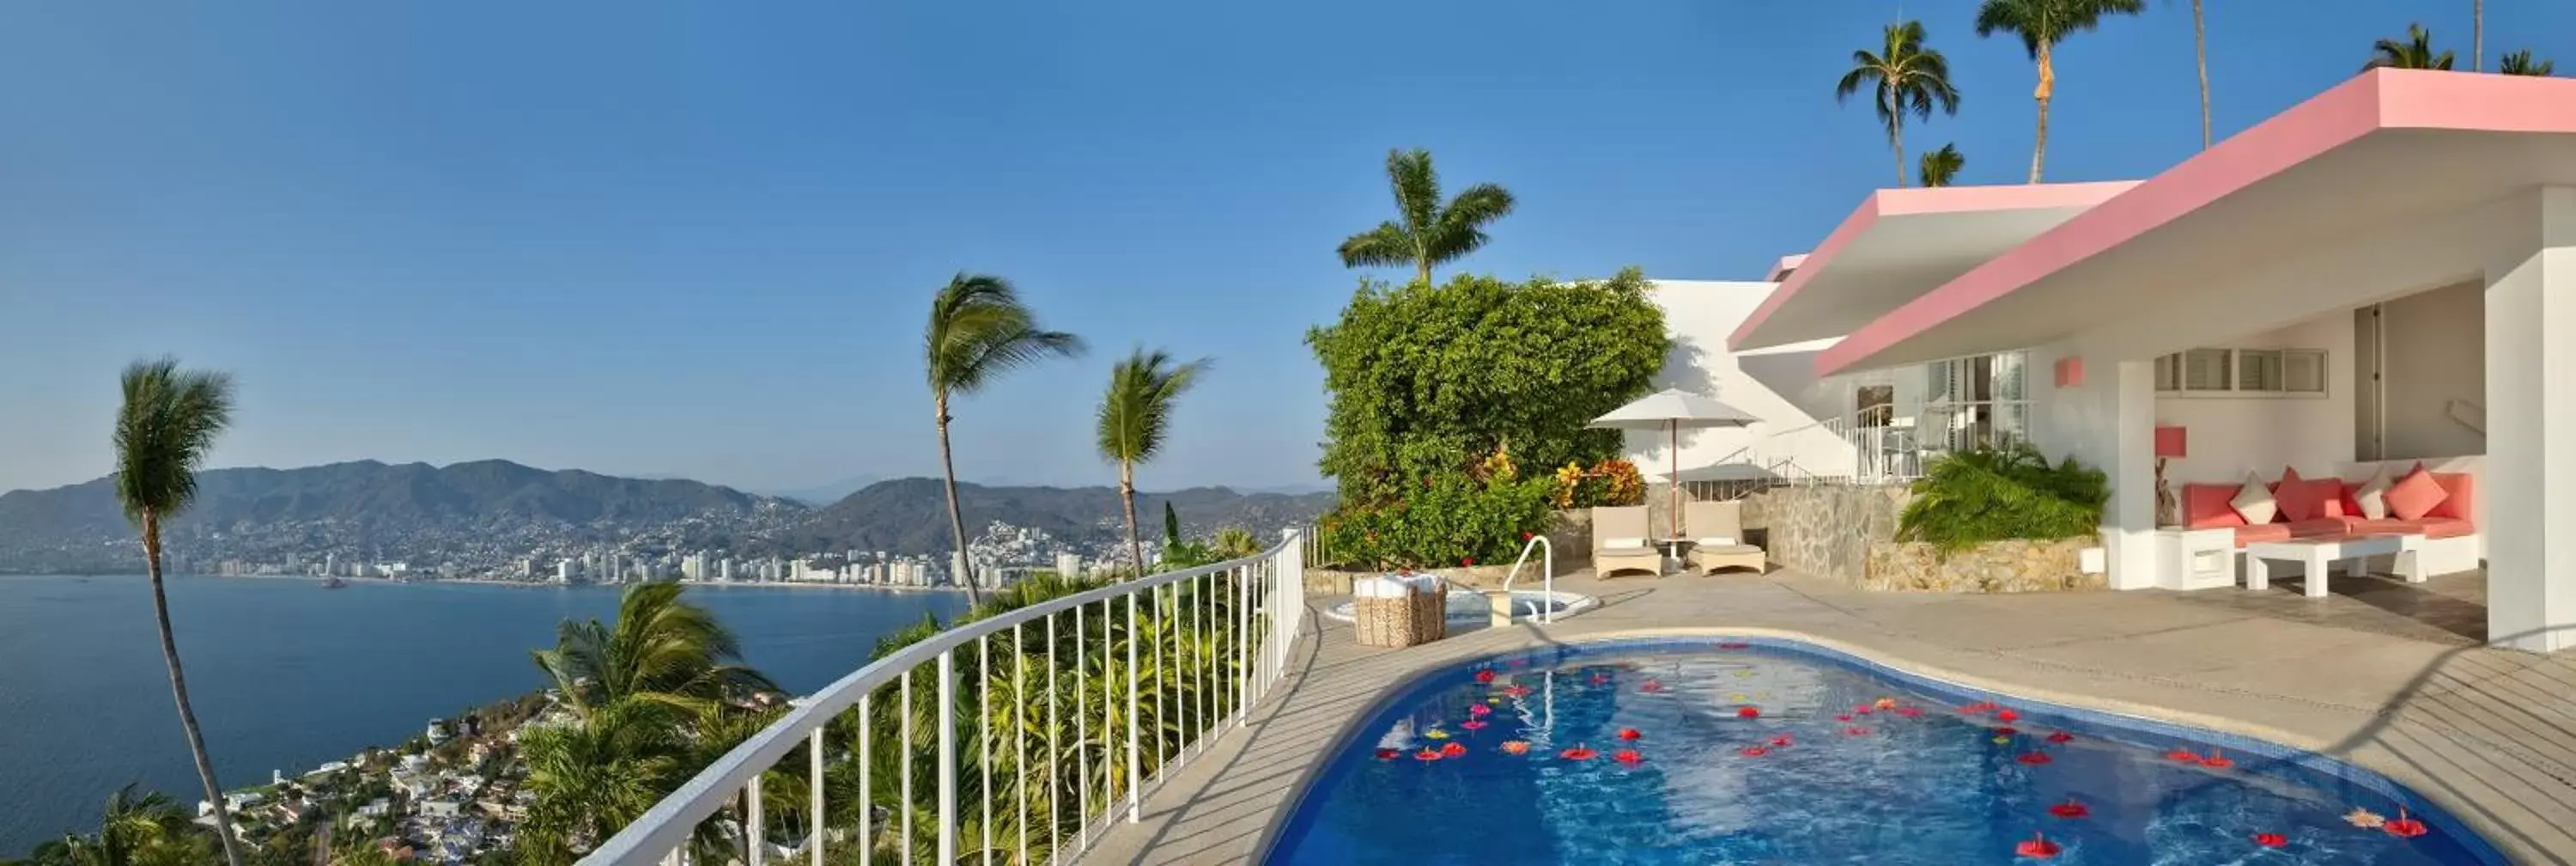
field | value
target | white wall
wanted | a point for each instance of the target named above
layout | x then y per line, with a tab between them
1778	386
2230	436
2436	344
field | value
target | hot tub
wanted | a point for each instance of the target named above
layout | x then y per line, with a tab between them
1472	607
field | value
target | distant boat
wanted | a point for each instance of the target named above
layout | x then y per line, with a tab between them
333	583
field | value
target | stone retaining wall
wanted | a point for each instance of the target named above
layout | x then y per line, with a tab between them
1825	530
1995	566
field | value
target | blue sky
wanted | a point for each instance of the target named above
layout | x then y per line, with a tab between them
697	239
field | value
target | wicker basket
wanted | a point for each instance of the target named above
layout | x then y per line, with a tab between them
1415	618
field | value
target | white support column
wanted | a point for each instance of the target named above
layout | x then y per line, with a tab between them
2529	516
2108	422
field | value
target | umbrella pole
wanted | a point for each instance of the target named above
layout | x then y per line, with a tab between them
1674	452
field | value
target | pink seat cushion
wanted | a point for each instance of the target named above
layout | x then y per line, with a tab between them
2415	495
2262	532
2322	527
2204	506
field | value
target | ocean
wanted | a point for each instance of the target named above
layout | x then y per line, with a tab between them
287	675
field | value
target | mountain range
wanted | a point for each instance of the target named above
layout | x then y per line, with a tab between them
491	512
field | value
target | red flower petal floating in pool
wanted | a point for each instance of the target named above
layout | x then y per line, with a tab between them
1748	712
1781	741
2405	827
2217	760
2034	758
1734	646
1579	753
1472	725
2061	737
2007	716
1628	757
2006	731
1516	691
1485	676
2271	840
1630	734
1515	747
1909	712
1478	709
1600	679
1389	754
1862	710
1651	686
1453	750
2037	846
1427	754
2070	809
1842	717
1755	751
1855	732
2183	756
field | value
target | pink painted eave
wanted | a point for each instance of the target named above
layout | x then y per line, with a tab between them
1917	200
1785	265
2378	100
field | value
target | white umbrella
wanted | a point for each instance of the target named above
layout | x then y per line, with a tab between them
1671	410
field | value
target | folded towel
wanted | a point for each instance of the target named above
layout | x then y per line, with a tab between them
1718	541
1622	543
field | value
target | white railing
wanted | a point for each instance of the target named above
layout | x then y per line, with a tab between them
1062	768
1547	579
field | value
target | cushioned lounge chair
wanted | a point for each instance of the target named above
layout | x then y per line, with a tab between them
1620	542
1717	533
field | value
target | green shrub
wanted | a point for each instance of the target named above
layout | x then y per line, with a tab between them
1452	520
1971	497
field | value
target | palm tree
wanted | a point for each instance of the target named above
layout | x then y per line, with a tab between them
595	776
1907	79
978	331
2522	63
2478	35
1941	166
2200	51
137	829
2042	24
169	420
2414	53
1134	415
662	651
1430	234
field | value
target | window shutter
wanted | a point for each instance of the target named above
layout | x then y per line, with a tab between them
2258	370
2207	369
2303	371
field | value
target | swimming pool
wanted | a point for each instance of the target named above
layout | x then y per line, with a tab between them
1760	751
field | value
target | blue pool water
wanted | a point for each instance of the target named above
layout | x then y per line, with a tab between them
1924	777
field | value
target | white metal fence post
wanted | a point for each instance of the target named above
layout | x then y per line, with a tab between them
947	758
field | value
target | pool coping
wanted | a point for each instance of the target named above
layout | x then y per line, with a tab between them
2252	739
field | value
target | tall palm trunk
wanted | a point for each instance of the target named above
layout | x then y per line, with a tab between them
956	518
2477	35
2047	86
1422	269
179	691
1896	142
2200	46
1127	497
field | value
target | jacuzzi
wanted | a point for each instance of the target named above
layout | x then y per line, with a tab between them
1473	607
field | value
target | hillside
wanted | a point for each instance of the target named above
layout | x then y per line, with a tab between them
910	515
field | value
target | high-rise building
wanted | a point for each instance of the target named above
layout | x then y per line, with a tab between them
1068	564
563	570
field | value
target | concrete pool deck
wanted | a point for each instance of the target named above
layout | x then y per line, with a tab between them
2489	734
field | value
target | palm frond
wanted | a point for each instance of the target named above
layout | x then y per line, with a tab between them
1384	246
2522	63
1416	185
1136	411
1941	167
167	423
979	330
1461	229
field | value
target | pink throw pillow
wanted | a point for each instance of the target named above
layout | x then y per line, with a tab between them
2415	495
2298	497
2204	506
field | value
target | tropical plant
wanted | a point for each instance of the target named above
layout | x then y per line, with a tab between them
2042	24
2416	52
1235	542
1967	498
1171	523
978	331
1419	377
168	421
1135	415
1940	167
653	698
662	650
137	828
2522	63
1906	78
1611	482
1429	233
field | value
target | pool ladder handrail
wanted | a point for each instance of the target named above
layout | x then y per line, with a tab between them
1547	568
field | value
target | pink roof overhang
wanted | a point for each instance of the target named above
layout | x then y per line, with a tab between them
1899	244
2386	147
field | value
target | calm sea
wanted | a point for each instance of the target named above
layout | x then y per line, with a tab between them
287	675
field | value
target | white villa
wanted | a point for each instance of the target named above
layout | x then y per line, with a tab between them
2366	283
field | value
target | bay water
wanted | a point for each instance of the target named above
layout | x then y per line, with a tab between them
286	674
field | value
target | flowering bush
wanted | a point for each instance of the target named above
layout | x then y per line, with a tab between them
1453	519
1610	482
